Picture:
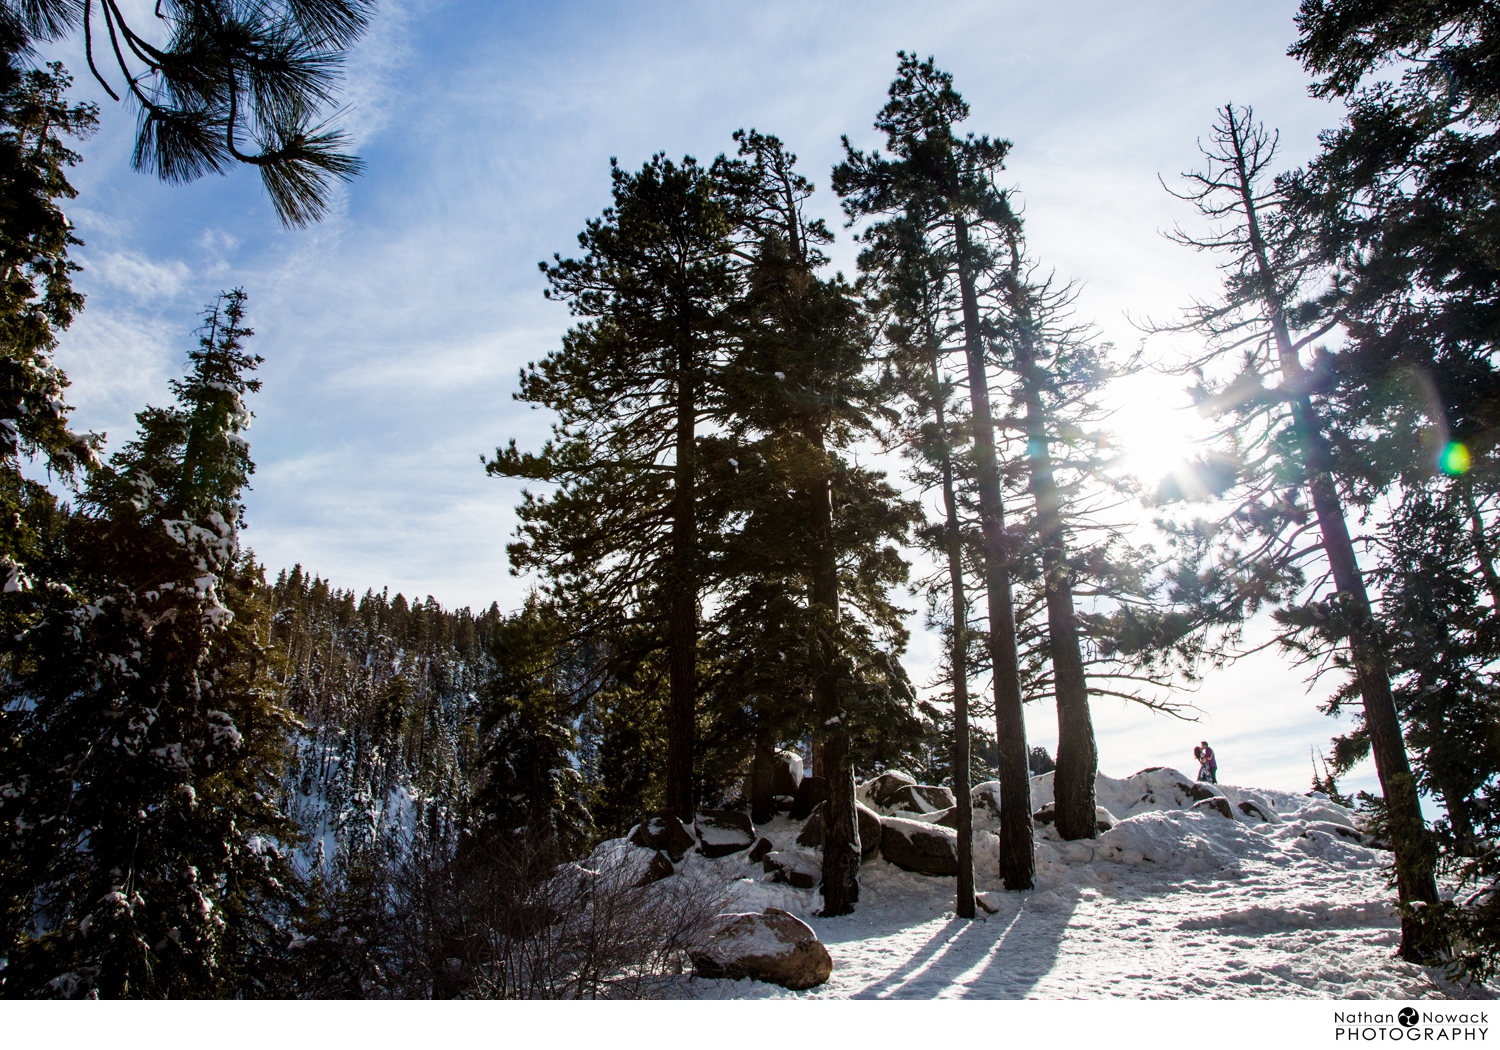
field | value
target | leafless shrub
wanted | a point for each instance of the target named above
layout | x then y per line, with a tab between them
503	918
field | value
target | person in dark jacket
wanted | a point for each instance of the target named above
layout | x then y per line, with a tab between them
1208	765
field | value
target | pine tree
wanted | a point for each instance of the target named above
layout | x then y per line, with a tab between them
630	386
946	183
1278	300
1022	332
143	770
911	288
801	391
229	72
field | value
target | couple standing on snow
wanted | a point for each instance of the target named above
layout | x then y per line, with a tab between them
1208	765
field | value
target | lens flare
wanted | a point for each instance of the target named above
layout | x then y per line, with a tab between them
1454	459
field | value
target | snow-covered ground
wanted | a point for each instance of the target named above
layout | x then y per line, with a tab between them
1171	902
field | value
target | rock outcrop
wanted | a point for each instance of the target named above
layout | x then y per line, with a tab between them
925	848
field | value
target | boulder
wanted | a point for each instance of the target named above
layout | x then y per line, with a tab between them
723	831
663	831
810	792
786	773
919	798
924	848
869	830
1214	804
1202	791
1103	819
1253	810
878	792
772	946
659	868
1046	815
758	853
986	798
794	867
948	819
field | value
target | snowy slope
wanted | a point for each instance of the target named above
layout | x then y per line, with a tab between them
1170	902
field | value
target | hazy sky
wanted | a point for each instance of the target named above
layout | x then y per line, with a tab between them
393	332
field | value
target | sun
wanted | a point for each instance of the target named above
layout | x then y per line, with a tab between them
1154	425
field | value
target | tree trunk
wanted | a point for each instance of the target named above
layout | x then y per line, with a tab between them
1077	753
1415	858
1459	816
682	611
1017	852
959	664
1482	552
762	806
841	846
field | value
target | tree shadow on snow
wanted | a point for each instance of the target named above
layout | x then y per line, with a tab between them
1000	956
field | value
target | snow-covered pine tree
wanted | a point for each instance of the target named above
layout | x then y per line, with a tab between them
142	773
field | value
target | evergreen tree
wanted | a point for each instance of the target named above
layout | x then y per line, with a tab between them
37	298
231	74
143	763
800	391
1400	201
913	283
620	536
528	712
1039	390
946	182
1279	445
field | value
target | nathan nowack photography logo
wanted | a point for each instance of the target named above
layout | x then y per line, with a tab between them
1411	1025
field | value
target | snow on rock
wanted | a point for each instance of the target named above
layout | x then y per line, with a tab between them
877	793
723	831
918	798
663	831
800	867
869	829
772	945
919	846
787	775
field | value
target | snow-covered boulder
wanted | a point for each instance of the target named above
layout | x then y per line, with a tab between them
1258	809
1214	804
928	849
877	793
660	867
810	792
786	775
723	831
986	798
795	866
773	946
919	798
760	849
665	832
869	829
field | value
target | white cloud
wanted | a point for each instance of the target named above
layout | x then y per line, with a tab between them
139	277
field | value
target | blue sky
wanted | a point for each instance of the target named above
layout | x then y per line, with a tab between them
393	331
